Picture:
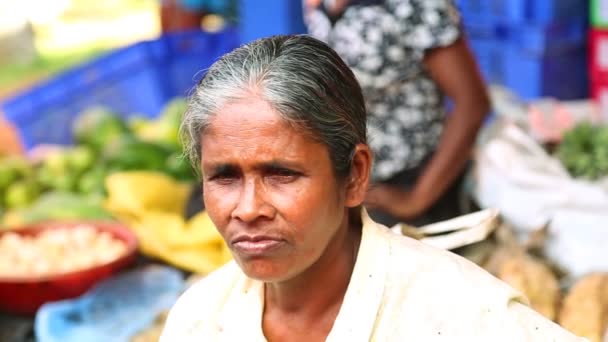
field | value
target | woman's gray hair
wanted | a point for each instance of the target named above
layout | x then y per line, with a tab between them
302	78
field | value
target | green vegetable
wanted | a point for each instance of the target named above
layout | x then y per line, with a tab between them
20	194
92	182
60	206
64	182
164	129
44	176
56	171
584	151
180	168
129	153
80	158
13	169
97	127
7	176
56	162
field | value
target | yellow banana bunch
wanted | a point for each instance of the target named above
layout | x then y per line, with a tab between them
152	205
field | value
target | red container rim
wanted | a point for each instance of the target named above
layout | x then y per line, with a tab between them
117	229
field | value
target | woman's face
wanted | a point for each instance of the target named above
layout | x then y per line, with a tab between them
270	191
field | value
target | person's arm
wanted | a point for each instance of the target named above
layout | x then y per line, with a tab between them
454	69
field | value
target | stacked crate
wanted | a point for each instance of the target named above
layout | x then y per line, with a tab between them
258	19
598	61
535	48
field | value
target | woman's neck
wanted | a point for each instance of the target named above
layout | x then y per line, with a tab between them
324	284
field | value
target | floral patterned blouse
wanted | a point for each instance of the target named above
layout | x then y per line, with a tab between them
384	43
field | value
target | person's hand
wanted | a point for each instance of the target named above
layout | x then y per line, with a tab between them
394	201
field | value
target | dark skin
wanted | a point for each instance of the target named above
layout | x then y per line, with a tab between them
265	180
455	71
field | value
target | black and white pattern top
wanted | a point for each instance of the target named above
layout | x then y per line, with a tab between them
384	44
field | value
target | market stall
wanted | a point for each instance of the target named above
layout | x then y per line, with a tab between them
98	237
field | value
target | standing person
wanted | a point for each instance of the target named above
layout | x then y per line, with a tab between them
278	130
408	55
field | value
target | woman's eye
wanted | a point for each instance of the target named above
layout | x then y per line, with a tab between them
283	175
224	178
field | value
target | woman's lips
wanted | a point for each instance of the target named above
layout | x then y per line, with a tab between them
256	246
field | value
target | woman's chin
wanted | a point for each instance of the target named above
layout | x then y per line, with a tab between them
264	270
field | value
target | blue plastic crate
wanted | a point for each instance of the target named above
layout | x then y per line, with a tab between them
190	54
537	39
269	17
562	75
519	11
488	54
140	78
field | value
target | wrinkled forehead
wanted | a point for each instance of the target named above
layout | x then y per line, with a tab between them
252	112
252	121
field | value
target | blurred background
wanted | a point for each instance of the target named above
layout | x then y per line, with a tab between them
41	38
91	96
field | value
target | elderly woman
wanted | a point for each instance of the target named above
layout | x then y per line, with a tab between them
278	128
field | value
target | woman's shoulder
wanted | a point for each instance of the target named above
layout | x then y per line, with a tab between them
410	257
441	273
430	287
201	303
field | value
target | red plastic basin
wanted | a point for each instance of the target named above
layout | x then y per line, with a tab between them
24	295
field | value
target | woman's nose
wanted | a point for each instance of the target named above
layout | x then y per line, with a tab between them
252	204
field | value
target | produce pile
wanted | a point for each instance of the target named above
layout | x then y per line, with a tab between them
581	307
69	182
57	251
131	171
584	151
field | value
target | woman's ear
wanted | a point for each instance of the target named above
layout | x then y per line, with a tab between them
359	178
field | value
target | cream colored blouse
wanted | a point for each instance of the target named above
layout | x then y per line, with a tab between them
400	290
